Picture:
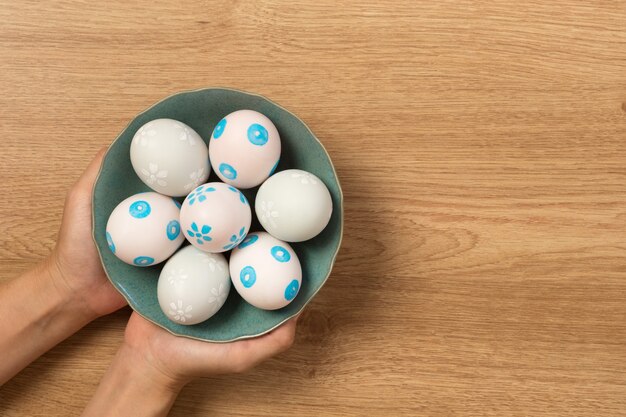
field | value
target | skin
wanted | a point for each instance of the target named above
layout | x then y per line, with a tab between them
60	295
152	366
69	289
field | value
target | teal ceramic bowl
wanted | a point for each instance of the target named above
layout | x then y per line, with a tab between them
202	109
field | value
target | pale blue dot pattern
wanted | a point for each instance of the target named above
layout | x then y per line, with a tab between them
110	242
292	290
247	276
173	229
143	261
228	171
140	209
280	254
219	129
274	167
257	134
249	240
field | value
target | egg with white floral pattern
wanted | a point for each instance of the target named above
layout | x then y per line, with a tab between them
169	157
215	217
293	205
244	148
144	229
193	285
265	271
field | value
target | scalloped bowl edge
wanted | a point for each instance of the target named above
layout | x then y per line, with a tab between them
332	262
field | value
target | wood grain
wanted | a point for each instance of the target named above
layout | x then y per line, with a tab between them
480	145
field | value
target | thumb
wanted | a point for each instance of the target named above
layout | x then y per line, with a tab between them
88	178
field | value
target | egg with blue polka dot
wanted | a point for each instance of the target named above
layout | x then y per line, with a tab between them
265	271
244	148
215	217
144	229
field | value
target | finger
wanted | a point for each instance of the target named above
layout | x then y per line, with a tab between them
88	178
242	355
257	350
78	199
281	337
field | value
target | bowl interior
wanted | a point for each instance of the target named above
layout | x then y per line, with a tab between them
202	110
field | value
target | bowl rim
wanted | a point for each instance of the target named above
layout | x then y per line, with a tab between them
341	215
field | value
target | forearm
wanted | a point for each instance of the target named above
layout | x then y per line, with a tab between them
129	387
35	315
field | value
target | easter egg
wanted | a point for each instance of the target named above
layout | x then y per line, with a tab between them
265	271
293	205
169	157
244	148
144	229
193	285
215	217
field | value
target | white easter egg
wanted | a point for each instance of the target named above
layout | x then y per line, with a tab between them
244	148
265	271
169	157
144	229
215	217
293	205
193	285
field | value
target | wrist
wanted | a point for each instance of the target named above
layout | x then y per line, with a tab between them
132	386
39	315
54	301
148	370
61	285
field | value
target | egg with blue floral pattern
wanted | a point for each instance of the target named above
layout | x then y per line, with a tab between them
265	271
244	148
169	157
193	285
215	217
144	229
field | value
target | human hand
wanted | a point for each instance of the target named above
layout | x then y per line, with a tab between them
153	365
74	263
180	359
60	295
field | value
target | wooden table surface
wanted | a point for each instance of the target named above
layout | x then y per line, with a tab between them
481	150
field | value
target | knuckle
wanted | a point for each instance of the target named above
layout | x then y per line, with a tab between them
286	342
240	367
